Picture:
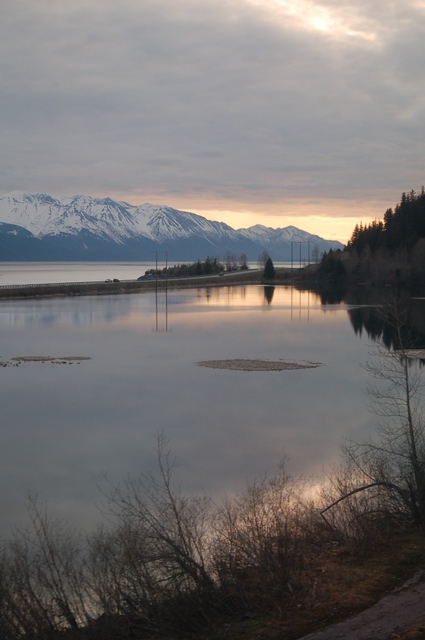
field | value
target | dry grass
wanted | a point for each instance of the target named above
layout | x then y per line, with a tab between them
414	634
337	585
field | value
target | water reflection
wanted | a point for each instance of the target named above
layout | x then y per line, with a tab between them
394	317
64	425
268	294
301	301
397	328
161	314
366	315
332	295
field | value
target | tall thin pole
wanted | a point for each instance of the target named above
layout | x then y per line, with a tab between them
156	290
292	301
166	291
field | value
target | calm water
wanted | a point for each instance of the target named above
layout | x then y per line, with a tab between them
64	426
58	272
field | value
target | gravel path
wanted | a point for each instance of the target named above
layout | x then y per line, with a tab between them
393	615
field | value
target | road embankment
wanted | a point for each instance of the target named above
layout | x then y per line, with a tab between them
284	276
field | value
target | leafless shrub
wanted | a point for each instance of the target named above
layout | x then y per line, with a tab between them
259	550
180	560
383	479
160	546
43	581
165	562
354	511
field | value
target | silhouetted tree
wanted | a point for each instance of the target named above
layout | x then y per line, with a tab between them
262	259
243	262
315	253
391	466
401	227
230	261
269	270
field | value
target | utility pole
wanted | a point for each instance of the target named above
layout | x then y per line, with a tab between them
166	291
156	289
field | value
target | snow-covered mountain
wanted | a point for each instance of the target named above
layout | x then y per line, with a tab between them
41	227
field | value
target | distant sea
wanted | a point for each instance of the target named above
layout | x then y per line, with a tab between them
21	273
59	272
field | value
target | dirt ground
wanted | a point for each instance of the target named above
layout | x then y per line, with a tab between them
392	616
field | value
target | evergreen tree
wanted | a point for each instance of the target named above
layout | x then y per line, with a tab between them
400	228
269	270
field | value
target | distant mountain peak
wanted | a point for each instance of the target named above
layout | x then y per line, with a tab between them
103	228
256	228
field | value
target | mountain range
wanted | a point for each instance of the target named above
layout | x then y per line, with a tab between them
39	227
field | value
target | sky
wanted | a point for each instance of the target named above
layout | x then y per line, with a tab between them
273	112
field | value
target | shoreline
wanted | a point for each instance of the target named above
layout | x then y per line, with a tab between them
284	276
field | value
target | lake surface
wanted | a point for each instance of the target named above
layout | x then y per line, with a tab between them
66	426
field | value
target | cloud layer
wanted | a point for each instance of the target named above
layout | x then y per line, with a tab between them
263	106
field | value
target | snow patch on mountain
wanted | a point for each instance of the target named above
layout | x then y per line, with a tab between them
105	220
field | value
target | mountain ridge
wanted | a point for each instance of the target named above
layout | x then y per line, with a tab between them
86	228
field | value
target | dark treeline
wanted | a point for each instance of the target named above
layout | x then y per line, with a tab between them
388	251
400	228
209	266
198	268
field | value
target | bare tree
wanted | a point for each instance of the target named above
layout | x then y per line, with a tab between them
391	466
174	528
260	542
43	579
230	261
315	253
262	259
167	561
243	262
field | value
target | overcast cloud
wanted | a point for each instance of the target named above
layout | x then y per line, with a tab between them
273	111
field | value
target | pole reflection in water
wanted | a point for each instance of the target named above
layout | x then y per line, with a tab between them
158	314
157	327
300	306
